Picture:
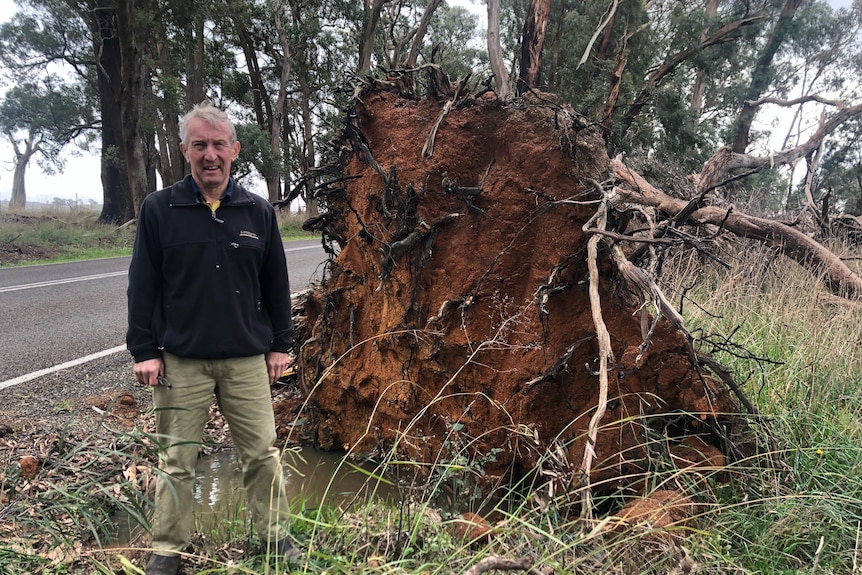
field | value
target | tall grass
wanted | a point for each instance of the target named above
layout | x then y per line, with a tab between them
290	224
798	351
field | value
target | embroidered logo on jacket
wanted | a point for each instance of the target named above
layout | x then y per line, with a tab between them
245	234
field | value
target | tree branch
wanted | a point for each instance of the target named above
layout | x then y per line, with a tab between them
719	166
812	256
673	61
840	104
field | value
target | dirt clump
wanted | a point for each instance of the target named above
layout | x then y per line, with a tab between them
455	321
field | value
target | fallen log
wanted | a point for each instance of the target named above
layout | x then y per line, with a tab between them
804	250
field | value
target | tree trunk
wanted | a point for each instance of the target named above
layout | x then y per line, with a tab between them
131	95
761	76
117	206
495	51
195	92
533	41
273	184
260	94
307	154
419	38
308	148
370	17
18	201
170	166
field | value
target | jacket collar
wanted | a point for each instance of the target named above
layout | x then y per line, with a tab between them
184	193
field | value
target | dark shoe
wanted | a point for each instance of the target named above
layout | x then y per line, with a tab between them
287	552
163	565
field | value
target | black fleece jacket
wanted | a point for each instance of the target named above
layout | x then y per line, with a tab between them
207	285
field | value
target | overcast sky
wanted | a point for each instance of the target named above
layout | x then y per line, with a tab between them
81	178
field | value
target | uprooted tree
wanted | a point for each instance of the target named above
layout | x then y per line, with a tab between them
492	271
478	298
486	293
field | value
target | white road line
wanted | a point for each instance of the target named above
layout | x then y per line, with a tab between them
314	247
67	365
63	281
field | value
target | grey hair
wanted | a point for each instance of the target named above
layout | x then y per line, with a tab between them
207	112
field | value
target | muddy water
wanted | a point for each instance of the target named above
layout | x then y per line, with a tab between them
312	477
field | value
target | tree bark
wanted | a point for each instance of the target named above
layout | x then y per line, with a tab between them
762	75
495	51
809	254
419	37
533	41
370	17
131	95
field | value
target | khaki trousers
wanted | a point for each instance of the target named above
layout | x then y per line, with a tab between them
241	387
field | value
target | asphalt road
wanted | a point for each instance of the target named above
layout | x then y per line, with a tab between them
58	313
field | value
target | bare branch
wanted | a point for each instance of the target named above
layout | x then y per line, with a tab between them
791	242
840	104
725	160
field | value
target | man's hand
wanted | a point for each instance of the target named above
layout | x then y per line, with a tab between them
276	363
148	371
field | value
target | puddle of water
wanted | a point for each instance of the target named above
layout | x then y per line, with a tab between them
311	476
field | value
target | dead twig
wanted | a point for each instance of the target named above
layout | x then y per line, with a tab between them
502	564
428	148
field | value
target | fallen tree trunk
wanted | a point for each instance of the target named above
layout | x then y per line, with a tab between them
804	250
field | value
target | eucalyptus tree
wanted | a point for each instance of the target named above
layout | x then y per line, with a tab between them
39	119
43	112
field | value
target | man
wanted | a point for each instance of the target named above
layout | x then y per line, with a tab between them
209	313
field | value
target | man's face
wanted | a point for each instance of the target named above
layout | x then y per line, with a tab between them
210	154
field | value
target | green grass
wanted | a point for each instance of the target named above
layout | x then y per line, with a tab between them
60	236
807	510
